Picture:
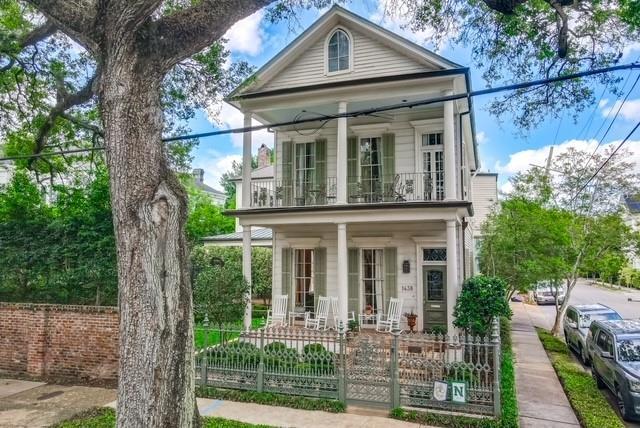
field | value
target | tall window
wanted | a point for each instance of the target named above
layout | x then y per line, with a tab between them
305	171
372	278
433	166
338	52
371	168
304	279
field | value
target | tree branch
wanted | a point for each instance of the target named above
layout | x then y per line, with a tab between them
64	102
75	17
182	34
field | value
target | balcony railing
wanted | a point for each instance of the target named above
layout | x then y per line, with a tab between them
403	187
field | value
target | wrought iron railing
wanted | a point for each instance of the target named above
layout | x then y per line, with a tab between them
392	370
401	187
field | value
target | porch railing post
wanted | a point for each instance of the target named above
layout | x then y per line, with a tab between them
260	374
342	372
204	353
495	340
395	381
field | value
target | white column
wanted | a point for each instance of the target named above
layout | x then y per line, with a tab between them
341	158
246	271
452	272
450	172
343	273
246	163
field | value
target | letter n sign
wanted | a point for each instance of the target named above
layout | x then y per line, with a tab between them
459	392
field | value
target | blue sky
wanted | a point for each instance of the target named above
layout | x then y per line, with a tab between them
502	148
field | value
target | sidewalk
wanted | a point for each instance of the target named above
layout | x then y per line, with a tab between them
36	404
541	400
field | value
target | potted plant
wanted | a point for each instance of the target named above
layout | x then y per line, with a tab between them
368	310
411	320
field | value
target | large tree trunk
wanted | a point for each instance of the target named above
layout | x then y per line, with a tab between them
156	373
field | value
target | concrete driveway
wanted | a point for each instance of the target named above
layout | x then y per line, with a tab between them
35	404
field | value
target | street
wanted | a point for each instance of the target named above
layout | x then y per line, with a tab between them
587	293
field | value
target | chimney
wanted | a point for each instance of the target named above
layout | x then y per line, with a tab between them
198	175
264	156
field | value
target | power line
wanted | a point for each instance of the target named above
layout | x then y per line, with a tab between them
606	161
370	111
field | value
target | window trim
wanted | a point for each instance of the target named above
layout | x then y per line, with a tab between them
326	51
295	183
361	290
295	276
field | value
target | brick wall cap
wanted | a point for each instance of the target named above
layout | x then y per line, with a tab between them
59	308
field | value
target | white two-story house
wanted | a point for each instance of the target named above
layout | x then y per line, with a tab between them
370	206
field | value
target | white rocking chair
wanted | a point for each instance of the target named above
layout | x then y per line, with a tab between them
391	320
318	320
277	315
351	316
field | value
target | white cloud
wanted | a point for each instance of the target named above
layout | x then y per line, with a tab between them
523	160
228	117
245	36
214	165
630	109
630	49
481	137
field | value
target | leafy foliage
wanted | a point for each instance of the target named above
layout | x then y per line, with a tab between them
591	407
482	298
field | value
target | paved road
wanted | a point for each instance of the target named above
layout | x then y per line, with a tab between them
586	292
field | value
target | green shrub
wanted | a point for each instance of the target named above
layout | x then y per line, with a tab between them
591	407
278	356
317	359
271	399
482	298
235	354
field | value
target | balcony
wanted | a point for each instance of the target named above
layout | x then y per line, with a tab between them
404	187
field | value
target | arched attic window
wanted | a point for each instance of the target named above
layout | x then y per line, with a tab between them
339	52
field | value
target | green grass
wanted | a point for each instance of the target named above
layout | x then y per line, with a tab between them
212	334
271	399
591	407
106	418
509	417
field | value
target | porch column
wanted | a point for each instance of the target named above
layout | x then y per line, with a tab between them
449	151
452	272
341	158
343	273
246	272
246	163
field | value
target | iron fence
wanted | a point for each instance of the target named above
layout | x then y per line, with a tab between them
384	370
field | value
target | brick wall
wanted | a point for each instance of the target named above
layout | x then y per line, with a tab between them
59	341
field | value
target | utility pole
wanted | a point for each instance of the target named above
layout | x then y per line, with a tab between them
548	166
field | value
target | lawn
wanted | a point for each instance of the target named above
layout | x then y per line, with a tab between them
591	407
213	333
106	418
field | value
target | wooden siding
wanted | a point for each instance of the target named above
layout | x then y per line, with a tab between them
484	196
371	58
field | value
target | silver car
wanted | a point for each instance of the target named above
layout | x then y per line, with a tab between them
545	293
576	324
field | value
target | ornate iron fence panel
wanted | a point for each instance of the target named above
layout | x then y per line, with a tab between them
368	373
425	360
282	360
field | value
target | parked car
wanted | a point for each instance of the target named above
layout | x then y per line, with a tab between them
545	293
615	355
576	324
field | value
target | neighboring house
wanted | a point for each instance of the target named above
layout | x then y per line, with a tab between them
484	195
217	196
631	216
370	207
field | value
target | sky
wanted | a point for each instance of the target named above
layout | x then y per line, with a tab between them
502	147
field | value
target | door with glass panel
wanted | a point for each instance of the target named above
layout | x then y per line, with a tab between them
372	281
433	166
303	281
305	166
371	169
435	298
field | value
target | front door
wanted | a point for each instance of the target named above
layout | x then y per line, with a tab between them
435	298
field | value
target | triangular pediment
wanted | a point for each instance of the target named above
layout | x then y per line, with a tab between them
376	52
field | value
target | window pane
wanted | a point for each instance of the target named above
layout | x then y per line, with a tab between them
434	254
333	64
333	50
338	52
344	62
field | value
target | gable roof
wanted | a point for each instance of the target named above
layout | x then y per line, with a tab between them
319	29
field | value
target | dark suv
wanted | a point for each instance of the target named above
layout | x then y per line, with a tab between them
576	324
614	347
